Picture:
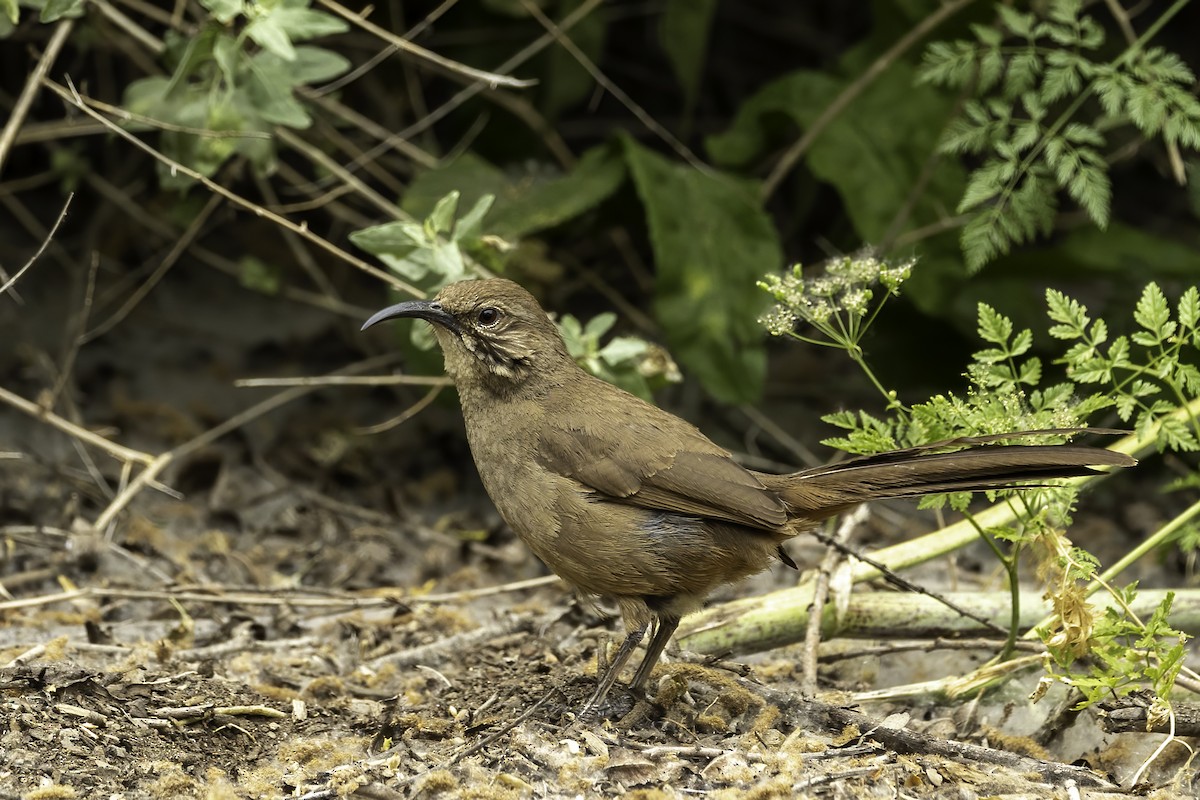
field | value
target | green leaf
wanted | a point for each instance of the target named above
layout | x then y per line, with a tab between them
55	10
1189	308
530	207
227	53
268	90
395	239
1018	23
711	240
470	225
875	153
1067	311
9	9
224	11
600	324
316	64
1152	311
986	182
259	276
993	326
306	23
268	33
684	37
441	219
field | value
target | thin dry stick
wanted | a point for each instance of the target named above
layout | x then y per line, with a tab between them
321	159
382	55
812	636
73	97
275	597
854	89
70	428
403	417
177	250
370	127
163	460
454	68
345	380
76	339
41	249
122	21
211	259
651	124
427	121
32	85
300	254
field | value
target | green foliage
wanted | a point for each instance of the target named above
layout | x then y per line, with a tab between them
1124	654
526	202
873	153
1118	652
708	232
434	252
229	88
1030	76
631	363
1148	373
710	238
442	249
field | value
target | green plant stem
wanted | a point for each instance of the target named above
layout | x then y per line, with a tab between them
1009	562
1131	445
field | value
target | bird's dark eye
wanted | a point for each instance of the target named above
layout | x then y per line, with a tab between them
488	316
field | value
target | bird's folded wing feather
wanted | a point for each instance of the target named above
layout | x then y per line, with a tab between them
676	470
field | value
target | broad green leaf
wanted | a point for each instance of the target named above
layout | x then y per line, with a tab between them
227	52
268	88
469	175
224	10
874	153
307	23
316	64
269	34
55	10
441	219
531	207
470	225
9	9
711	241
684	36
393	239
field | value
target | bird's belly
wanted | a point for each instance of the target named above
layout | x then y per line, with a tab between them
616	549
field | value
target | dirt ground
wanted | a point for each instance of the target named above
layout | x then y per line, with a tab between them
317	613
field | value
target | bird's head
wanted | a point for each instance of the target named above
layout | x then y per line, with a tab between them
492	331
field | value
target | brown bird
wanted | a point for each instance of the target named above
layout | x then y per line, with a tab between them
627	501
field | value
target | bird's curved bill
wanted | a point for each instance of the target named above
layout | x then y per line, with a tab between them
418	309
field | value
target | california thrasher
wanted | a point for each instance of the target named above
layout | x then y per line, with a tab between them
624	500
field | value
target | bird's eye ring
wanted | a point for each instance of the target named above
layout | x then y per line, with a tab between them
488	316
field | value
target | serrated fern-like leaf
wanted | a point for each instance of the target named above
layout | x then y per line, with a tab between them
986	182
948	64
1091	188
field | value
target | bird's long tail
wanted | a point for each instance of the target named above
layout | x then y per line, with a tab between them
821	492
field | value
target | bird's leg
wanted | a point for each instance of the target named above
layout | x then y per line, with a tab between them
664	629
632	640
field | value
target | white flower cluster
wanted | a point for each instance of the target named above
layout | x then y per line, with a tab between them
844	286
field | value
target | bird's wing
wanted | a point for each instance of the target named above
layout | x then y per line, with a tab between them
663	464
